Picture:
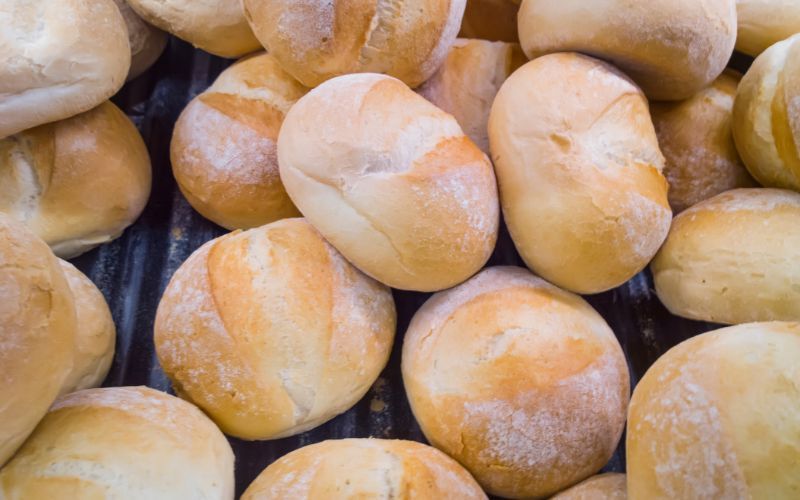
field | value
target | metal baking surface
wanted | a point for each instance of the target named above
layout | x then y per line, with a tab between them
133	271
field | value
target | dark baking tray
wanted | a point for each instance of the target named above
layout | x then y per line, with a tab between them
133	271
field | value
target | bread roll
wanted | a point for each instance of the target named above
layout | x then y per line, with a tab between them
522	383
37	333
766	116
216	26
671	48
467	82
391	181
94	336
121	443
491	20
609	486
315	41
579	172
58	58
77	183
733	258
695	137
147	43
765	22
365	468
271	332
224	151
718	416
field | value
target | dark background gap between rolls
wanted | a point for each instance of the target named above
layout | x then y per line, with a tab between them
133	271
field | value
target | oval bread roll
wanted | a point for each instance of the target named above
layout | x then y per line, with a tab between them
671	48
121	442
77	183
147	42
522	383
391	181
763	23
315	41
271	332
609	486
59	58
491	20
37	333
718	416
365	468
579	172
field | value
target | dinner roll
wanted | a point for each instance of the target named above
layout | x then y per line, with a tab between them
37	332
671	48
523	383
765	22
467	82
491	20
216	26
224	151
766	116
76	183
58	58
271	332
695	137
718	416
147	43
579	172
125	443
315	41
365	468
609	486
94	336
733	258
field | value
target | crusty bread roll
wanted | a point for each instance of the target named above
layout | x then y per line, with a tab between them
733	258
58	58
695	137
391	181
718	416
37	332
609	486
766	116
491	20
765	22
272	332
121	443
671	48
465	85
315	41
216	26
76	183
147	42
579	172
94	336
224	151
365	468
522	383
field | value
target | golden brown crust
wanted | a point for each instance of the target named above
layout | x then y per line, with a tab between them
608	486
491	20
762	23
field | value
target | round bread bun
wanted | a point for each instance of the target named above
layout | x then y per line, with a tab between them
521	382
695	137
609	486
94	336
121	442
766	116
579	172
365	468
77	183
216	26
315	41
671	48
733	258
147	42
465	85
271	332
224	147
59	58
718	416
491	20
37	332
763	23
391	181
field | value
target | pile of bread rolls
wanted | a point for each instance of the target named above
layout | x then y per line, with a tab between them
359	146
